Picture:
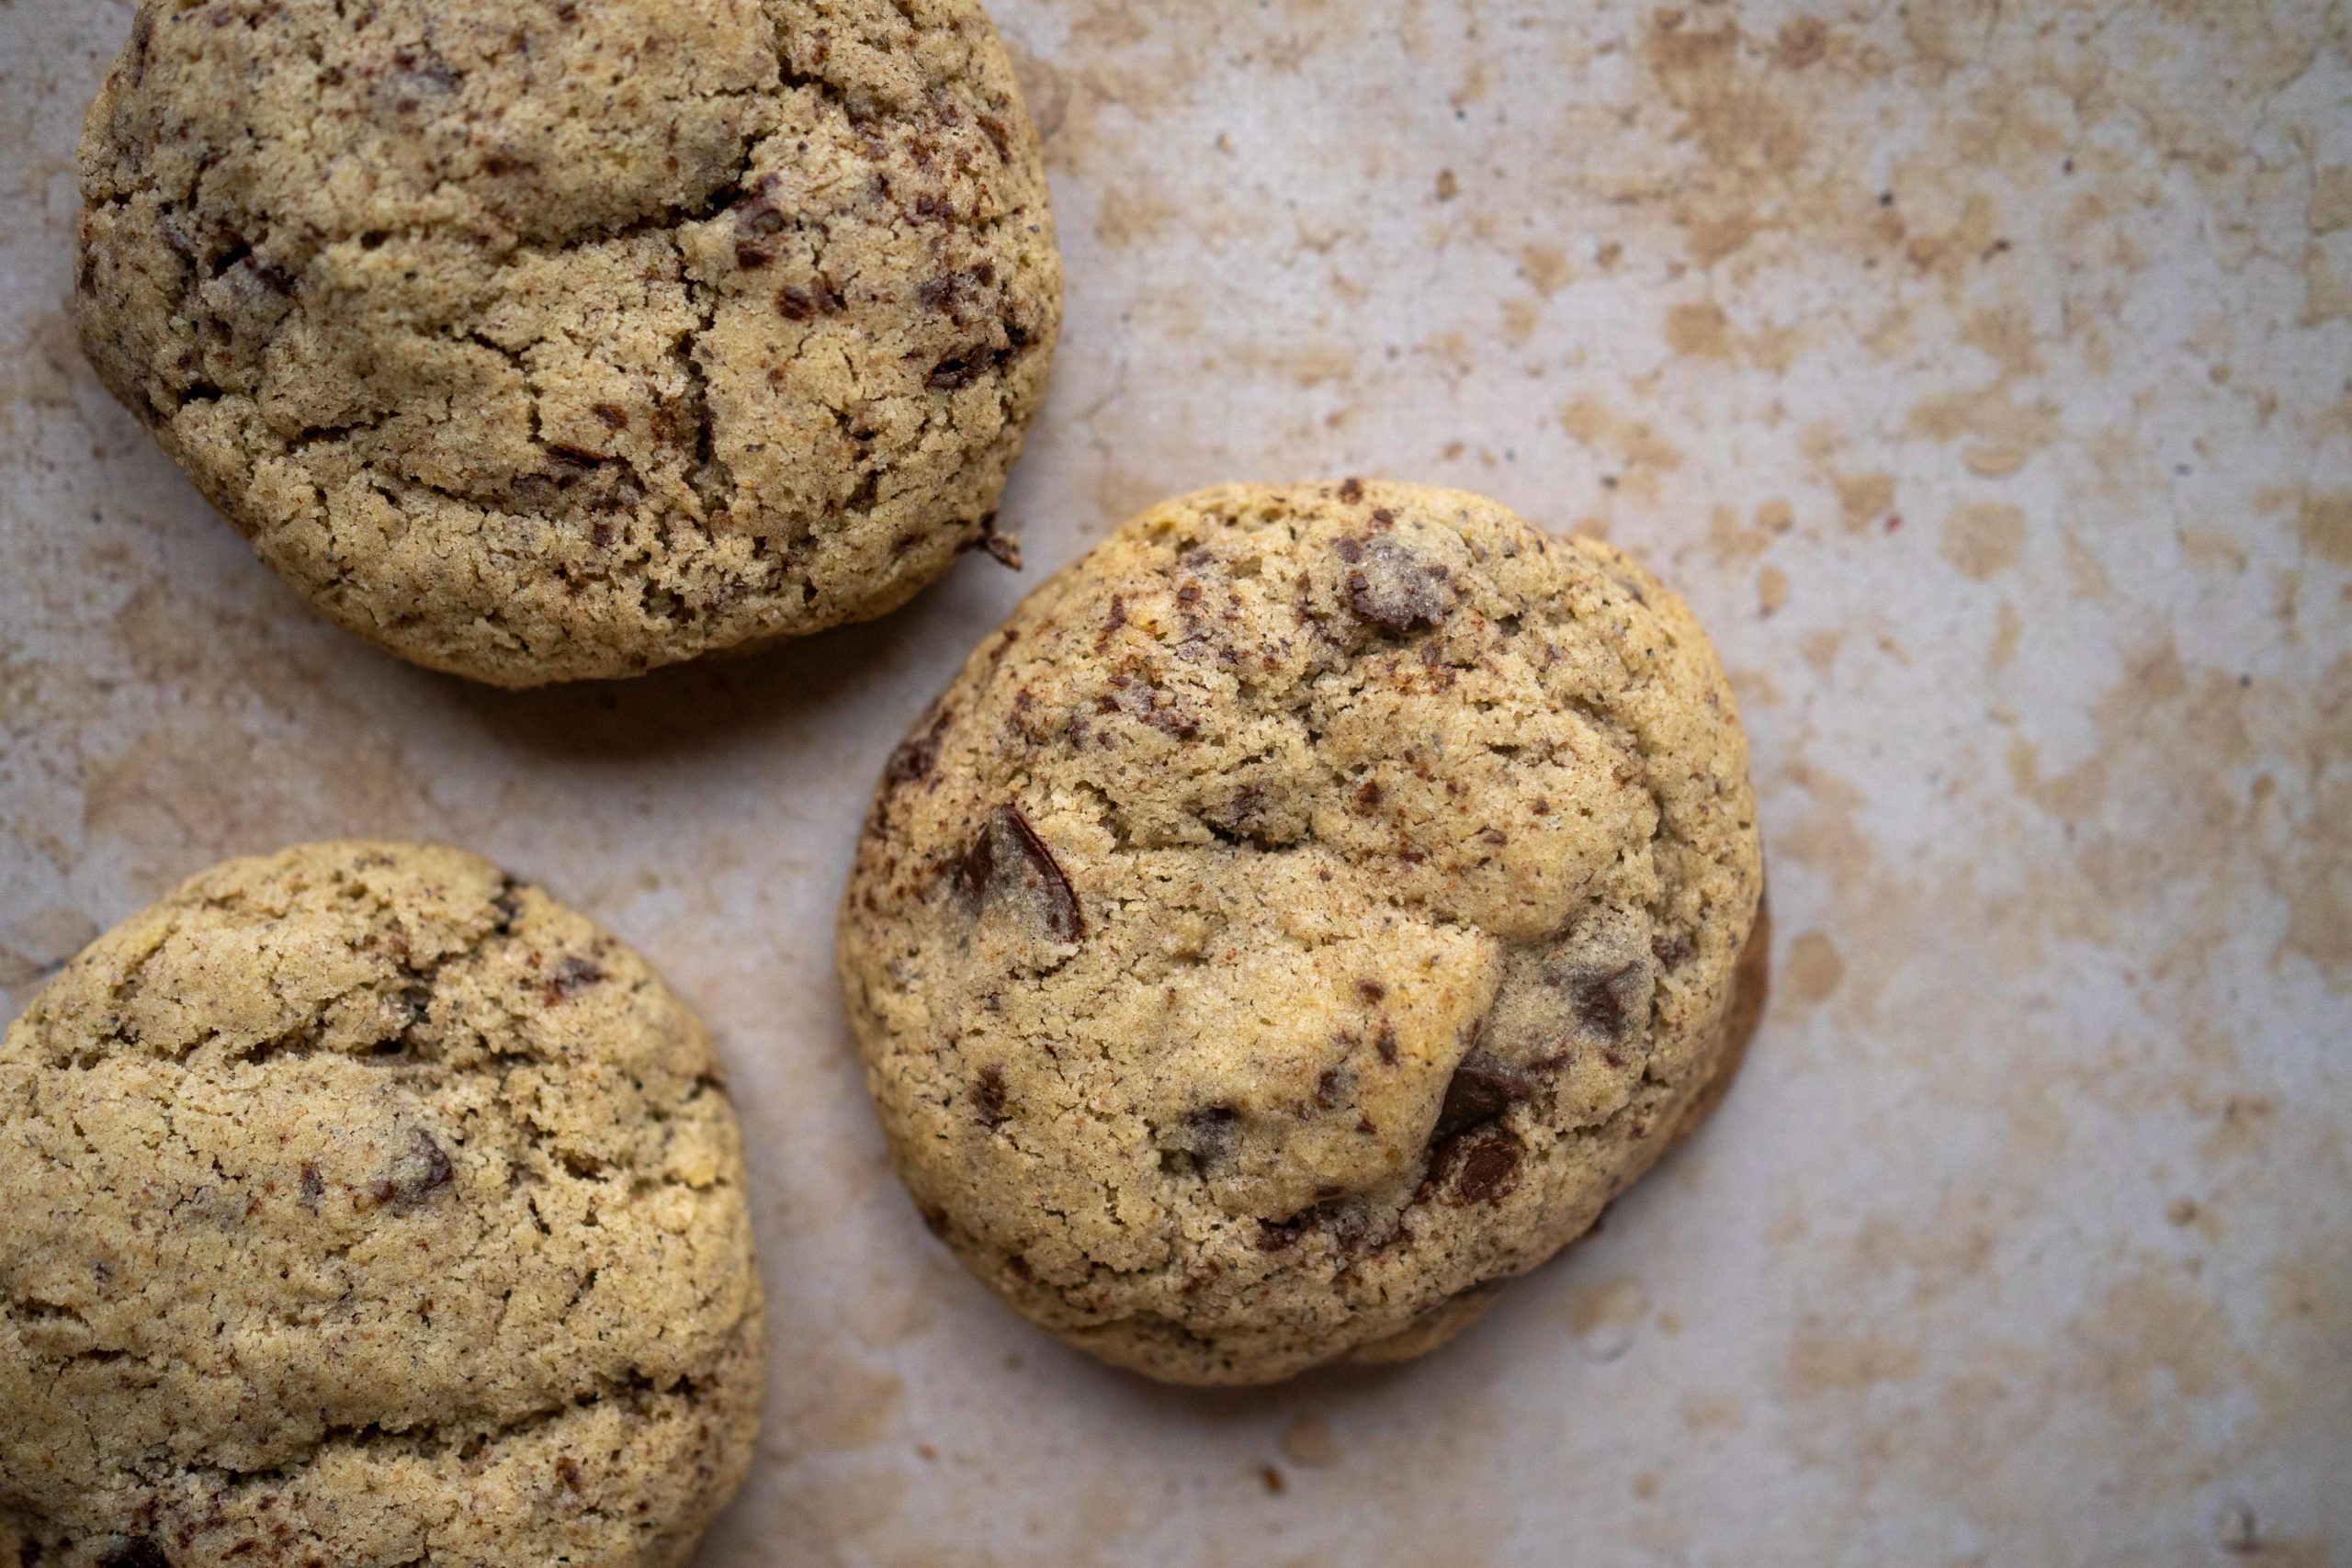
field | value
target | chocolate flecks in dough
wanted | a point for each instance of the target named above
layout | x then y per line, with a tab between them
532	382
1380	803
540	1222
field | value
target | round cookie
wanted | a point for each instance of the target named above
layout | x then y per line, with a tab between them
1312	906
360	1205
538	340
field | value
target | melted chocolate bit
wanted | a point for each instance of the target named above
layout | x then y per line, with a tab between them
137	1552
987	1096
1008	857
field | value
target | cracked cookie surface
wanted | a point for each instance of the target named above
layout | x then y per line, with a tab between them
360	1205
1312	906
538	340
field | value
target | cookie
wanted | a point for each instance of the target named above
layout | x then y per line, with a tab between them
361	1206
1311	908
538	340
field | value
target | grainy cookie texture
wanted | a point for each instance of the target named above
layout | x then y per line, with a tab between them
545	339
1313	906
359	1206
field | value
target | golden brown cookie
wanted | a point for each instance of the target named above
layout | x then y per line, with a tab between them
359	1205
1313	906
544	339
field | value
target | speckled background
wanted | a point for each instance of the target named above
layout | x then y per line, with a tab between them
1982	371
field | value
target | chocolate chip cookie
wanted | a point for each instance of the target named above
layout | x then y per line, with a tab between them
361	1206
545	339
1313	906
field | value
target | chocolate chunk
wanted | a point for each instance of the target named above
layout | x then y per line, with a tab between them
1001	547
796	303
759	219
939	293
422	1172
574	974
954	371
574	457
1170	718
1481	1089
1009	860
1344	1224
508	903
1198	1141
1483	1168
437	1171
1602	998
987	1096
916	754
137	1553
1274	1236
1391	587
1237	819
1352	490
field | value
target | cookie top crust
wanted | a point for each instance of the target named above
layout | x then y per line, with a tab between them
366	1206
1311	906
538	340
